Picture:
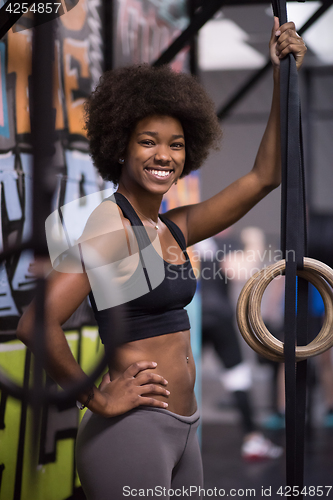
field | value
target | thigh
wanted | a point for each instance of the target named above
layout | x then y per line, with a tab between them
115	458
119	456
188	474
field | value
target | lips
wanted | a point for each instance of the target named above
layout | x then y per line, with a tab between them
159	173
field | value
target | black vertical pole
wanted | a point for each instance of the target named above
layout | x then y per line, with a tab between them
43	137
293	245
108	17
309	135
43	131
22	431
191	8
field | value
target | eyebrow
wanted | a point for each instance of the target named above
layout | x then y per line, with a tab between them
155	134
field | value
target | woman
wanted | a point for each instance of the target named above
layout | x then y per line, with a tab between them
147	128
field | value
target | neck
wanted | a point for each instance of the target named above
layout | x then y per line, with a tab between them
147	203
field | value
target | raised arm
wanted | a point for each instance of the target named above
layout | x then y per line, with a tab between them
208	218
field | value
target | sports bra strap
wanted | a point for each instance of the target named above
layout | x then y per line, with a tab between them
136	223
138	228
176	233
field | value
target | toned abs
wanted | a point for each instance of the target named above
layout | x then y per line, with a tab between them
173	355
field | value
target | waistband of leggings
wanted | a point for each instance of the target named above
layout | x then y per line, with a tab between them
191	419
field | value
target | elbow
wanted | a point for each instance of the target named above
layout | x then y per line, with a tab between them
273	185
23	331
268	178
267	183
276	180
268	188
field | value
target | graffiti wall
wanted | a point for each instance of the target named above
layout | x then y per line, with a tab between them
77	66
143	28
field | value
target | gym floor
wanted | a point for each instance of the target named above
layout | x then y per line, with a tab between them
224	467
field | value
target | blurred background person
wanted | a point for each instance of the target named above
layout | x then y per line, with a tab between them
218	328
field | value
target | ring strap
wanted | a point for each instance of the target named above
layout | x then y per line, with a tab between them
293	246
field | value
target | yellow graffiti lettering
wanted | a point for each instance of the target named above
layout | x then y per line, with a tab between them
57	90
78	50
19	62
75	18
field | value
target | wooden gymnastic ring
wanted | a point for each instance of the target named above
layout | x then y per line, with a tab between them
252	326
324	339
245	327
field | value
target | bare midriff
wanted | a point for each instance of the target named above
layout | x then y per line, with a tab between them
173	355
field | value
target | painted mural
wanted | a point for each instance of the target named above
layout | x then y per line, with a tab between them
144	28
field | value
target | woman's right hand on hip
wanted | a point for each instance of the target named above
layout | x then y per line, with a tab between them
135	387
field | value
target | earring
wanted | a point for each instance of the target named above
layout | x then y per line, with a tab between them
121	160
176	182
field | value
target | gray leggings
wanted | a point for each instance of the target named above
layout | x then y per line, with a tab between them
148	448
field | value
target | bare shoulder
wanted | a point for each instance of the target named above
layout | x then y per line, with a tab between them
105	236
106	217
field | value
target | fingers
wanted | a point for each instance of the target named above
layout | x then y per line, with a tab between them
153	402
288	41
138	367
105	381
152	384
154	389
294	49
285	27
141	385
149	377
275	28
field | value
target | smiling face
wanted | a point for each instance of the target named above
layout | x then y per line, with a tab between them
155	155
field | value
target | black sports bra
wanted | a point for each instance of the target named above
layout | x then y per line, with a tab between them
160	309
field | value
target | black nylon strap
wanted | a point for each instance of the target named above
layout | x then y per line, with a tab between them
129	212
138	229
293	246
171	226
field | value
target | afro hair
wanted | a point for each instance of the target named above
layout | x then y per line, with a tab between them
127	95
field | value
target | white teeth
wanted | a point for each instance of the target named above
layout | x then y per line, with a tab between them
160	173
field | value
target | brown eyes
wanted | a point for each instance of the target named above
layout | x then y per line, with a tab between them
147	142
174	145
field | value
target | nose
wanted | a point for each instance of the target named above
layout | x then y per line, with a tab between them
162	155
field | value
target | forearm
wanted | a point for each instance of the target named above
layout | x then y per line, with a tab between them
60	363
114	397
267	166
